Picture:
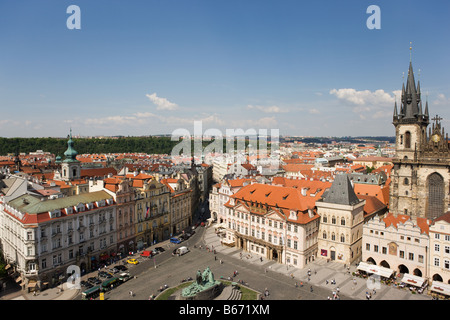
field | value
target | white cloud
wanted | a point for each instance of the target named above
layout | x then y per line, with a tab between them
314	111
441	100
369	104
364	97
269	109
161	103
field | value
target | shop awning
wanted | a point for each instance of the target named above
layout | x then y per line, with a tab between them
374	269
413	280
440	287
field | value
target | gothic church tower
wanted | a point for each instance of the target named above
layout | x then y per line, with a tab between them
421	174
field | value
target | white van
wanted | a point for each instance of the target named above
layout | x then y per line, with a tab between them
182	250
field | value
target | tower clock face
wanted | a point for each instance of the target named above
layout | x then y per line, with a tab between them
435	138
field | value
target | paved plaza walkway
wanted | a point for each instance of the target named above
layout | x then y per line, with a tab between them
321	271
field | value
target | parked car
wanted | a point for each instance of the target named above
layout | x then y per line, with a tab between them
121	267
175	240
159	249
104	274
183	237
94	280
132	261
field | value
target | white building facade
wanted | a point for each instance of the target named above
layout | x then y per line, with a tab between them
41	239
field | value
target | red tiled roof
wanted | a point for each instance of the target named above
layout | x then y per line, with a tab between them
372	204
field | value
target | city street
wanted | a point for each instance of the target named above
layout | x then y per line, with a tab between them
172	269
279	279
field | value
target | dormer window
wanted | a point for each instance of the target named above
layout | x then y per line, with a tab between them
293	215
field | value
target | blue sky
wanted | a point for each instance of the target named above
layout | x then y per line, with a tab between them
150	67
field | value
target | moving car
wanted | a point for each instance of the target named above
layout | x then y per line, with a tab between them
125	276
132	261
182	250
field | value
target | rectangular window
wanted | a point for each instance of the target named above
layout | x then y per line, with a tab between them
367	246
411	256
402	254
420	258
436	247
384	250
436	262
375	248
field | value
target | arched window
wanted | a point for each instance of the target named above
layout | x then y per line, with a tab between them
436	195
333	236
406	181
333	220
342	222
324	235
324	219
407	139
342	238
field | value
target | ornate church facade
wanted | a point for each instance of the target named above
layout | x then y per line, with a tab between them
421	173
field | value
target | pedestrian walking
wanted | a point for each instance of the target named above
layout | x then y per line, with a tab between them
311	289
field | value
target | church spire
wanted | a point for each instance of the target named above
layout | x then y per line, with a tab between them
427	115
395	111
411	110
71	153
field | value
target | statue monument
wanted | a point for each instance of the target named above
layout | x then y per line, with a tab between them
203	288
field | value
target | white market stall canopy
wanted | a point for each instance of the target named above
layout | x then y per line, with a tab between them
440	287
374	269
413	280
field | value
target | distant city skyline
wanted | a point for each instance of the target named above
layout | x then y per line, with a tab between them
142	68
